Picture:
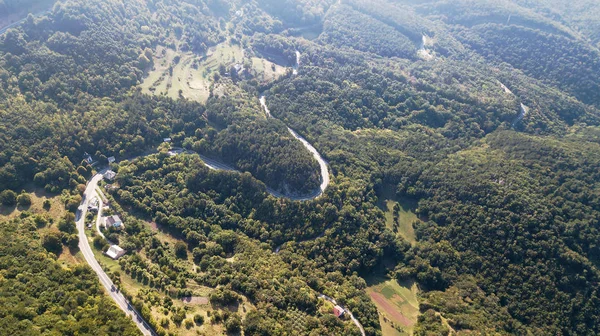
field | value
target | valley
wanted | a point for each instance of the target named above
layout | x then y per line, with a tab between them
301	167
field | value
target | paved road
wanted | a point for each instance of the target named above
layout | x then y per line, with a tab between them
332	300
295	67
16	23
322	163
84	246
522	113
218	165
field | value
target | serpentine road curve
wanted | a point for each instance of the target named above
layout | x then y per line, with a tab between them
313	151
322	163
90	191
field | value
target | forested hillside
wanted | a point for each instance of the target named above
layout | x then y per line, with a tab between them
461	141
58	71
40	296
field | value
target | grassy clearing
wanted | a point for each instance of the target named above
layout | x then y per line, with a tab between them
397	304
265	70
399	214
38	196
177	74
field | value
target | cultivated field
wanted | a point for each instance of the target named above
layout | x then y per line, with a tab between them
397	304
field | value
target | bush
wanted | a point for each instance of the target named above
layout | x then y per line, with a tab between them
178	316
24	200
47	205
233	324
8	197
181	250
66	226
199	319
52	242
73	203
72	241
188	324
100	243
224	297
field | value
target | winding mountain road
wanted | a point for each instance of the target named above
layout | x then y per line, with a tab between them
523	111
88	254
90	192
322	163
12	25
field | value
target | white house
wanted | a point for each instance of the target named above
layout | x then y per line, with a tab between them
110	175
167	140
115	252
113	221
111	159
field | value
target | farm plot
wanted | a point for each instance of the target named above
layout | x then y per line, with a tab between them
397	304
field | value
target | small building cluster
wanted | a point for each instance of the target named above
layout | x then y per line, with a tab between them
93	204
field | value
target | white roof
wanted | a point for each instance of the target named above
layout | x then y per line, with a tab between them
113	220
111	159
109	174
115	248
115	252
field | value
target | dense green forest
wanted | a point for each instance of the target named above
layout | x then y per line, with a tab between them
55	86
42	297
481	118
